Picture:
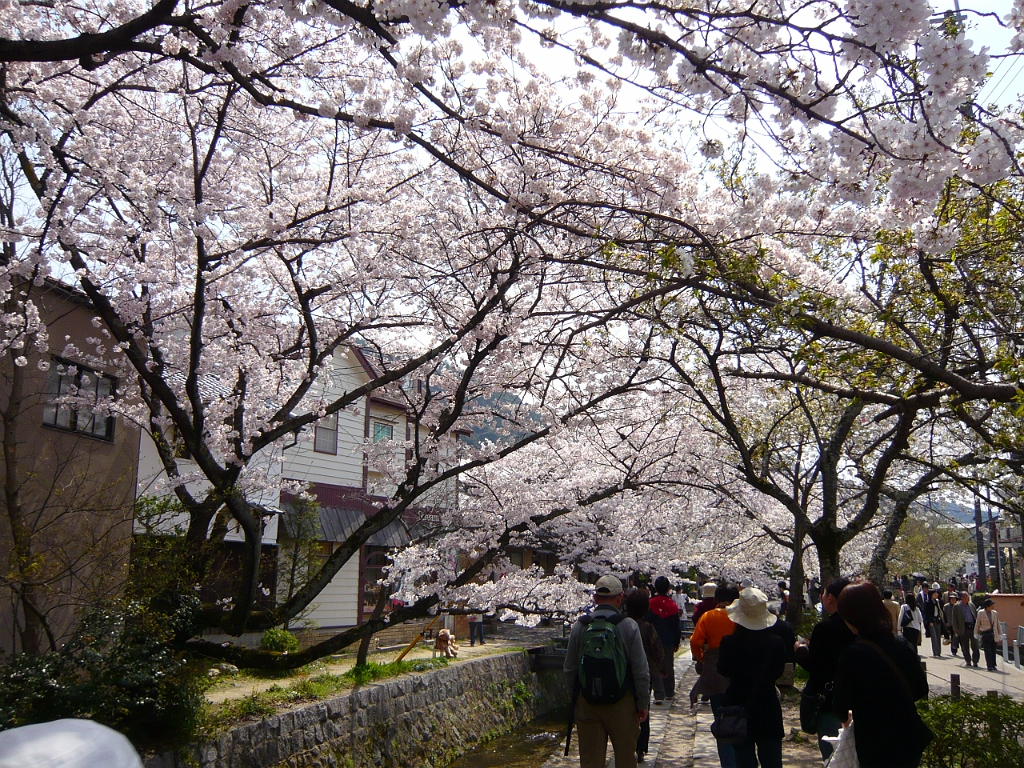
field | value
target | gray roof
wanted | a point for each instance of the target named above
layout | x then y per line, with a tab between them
337	524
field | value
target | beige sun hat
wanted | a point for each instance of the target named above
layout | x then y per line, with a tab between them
708	590
751	610
608	586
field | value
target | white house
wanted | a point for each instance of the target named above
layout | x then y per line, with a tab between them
330	460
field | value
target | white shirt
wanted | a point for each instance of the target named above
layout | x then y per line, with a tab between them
917	620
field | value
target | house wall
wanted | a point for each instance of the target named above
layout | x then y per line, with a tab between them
337	605
72	494
346	466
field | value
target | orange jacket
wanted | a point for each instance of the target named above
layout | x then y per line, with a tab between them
712	627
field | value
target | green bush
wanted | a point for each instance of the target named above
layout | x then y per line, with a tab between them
973	732
117	669
280	640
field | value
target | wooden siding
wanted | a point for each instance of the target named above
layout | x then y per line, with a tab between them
337	605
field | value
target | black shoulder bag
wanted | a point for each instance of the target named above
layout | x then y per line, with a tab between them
811	705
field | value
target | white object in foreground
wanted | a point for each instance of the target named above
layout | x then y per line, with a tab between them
66	744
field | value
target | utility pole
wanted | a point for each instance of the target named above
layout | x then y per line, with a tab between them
994	533
980	541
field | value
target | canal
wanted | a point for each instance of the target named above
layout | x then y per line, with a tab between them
526	747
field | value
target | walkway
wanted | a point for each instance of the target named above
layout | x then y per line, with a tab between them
1008	680
682	739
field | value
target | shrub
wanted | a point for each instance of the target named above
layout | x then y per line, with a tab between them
117	669
973	731
280	640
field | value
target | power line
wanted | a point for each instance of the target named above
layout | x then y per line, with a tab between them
1010	82
992	83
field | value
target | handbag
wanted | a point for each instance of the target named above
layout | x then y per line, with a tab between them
810	706
845	753
730	727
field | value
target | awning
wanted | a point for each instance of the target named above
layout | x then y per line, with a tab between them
338	523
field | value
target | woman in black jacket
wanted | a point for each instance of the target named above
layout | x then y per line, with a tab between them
879	679
753	659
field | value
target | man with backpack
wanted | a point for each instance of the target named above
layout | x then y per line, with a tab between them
607	667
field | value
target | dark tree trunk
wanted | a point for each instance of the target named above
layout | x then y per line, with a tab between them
796	586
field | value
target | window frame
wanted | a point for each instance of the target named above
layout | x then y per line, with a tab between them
73	413
379	425
319	428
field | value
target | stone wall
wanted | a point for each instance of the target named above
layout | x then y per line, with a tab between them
423	720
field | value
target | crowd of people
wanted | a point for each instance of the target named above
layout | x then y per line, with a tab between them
861	659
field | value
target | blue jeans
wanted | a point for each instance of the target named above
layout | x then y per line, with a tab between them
726	754
828	725
769	753
476	628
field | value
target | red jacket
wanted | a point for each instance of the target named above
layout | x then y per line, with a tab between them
664	615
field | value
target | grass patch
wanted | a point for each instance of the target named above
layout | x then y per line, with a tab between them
259	705
367	673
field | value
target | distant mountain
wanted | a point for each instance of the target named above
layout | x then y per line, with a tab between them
951	510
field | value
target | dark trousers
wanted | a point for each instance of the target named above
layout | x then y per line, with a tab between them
726	753
954	642
913	636
643	742
769	753
668	673
935	633
968	640
828	725
476	628
988	644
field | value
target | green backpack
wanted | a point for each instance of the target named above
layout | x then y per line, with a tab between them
604	676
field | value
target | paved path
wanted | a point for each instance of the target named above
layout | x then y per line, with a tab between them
1007	680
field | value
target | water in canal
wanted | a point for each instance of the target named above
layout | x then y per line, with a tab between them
527	747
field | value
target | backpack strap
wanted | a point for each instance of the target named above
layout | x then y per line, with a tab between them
615	619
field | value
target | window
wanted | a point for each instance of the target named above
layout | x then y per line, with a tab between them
68	379
325	438
383	431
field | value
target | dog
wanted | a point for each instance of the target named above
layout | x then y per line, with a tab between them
445	645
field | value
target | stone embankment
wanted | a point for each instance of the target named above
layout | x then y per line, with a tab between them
417	720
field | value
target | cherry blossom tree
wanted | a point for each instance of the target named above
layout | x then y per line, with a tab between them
244	189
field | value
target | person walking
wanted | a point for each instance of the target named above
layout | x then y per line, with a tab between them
931	613
752	658
878	680
476	628
705	646
894	609
637	605
664	616
947	615
965	616
911	621
619	720
989	632
707	601
820	657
